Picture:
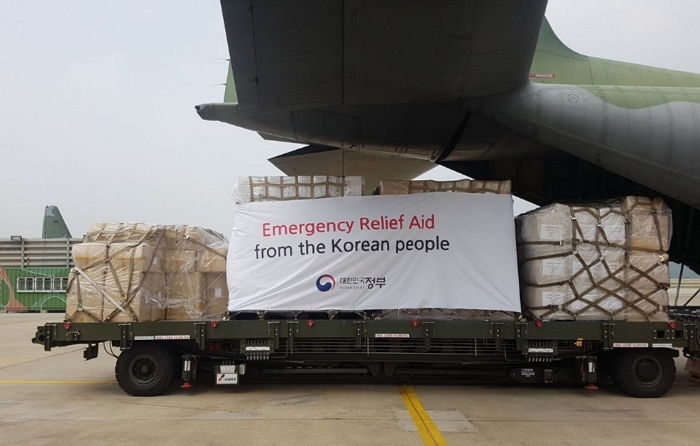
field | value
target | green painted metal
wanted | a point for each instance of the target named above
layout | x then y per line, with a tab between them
11	299
635	98
5	290
555	63
54	225
230	94
361	338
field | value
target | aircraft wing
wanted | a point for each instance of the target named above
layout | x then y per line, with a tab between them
482	86
305	54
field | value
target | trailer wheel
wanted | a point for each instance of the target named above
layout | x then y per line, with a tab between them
145	370
644	373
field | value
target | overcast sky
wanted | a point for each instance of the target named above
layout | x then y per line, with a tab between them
97	103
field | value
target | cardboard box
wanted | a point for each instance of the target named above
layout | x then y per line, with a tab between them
216	295
141	257
186	296
282	188
584	261
121	297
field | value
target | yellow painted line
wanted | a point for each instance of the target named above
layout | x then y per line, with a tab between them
426	427
44	381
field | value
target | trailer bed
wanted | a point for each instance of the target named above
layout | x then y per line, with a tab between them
523	351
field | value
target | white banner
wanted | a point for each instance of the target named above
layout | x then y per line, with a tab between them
435	250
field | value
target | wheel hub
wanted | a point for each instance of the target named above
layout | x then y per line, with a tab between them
143	369
648	371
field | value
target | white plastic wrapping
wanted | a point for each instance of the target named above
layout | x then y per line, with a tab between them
139	272
650	226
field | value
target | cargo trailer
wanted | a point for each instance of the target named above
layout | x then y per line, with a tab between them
156	356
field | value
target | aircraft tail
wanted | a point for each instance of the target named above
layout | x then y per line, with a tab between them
556	63
550	43
230	94
54	226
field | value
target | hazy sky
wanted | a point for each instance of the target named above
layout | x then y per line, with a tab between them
97	103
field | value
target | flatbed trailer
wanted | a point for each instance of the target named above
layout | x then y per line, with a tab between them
156	356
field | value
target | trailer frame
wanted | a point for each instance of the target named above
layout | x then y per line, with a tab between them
523	350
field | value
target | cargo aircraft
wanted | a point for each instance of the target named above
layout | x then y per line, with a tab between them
389	89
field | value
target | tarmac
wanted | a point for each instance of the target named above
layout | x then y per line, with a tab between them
58	398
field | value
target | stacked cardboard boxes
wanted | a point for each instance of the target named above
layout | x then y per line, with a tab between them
282	188
195	273
402	187
138	272
596	261
117	275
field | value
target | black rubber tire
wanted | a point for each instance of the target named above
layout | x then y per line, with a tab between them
145	370
644	373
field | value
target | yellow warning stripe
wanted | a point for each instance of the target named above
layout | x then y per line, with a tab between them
42	381
426	427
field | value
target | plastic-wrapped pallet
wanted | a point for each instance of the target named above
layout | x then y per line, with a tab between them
402	187
650	224
139	272
280	188
118	275
596	261
195	267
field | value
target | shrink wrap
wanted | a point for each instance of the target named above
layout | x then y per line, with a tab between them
119	274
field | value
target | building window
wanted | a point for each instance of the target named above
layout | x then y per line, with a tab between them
42	284
25	284
60	283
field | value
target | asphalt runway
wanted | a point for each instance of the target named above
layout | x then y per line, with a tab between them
58	398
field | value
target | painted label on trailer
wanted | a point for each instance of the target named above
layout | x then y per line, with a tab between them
143	338
662	345
392	335
226	378
631	345
227	369
540	350
257	348
527	373
161	337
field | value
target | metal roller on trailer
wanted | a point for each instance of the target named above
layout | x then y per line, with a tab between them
155	356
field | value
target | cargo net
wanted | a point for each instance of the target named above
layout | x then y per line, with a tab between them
139	272
596	261
400	187
280	188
